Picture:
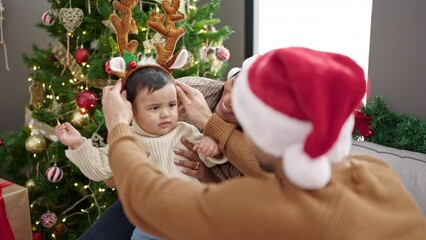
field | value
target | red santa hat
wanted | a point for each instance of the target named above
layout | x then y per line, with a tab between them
298	104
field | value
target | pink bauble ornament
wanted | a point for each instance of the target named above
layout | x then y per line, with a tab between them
132	64
81	55
54	174
47	18
48	219
87	100
108	68
222	54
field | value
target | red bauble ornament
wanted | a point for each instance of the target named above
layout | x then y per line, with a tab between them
47	18
81	55
222	54
87	100
108	68
132	64
38	235
54	174
1	142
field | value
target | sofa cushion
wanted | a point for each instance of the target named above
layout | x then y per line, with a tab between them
411	166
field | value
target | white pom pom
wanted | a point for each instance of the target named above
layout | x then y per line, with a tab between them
303	171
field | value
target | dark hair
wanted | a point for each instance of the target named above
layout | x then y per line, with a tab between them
151	78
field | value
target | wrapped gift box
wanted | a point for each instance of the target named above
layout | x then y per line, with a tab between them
15	222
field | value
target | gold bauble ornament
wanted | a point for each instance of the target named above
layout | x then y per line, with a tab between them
35	143
80	120
37	94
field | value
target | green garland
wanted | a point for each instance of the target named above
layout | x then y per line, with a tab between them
395	130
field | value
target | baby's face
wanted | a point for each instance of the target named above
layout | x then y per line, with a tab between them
156	112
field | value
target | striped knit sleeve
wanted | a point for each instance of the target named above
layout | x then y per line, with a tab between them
234	145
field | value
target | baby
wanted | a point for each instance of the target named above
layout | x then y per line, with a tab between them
151	90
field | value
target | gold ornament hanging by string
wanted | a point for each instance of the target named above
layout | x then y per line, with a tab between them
35	143
80	120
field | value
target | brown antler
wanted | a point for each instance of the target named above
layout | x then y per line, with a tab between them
168	30
125	26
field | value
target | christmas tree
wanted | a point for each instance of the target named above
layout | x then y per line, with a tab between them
66	86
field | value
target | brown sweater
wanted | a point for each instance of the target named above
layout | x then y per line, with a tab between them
364	201
238	152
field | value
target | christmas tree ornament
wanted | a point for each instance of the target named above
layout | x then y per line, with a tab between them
1	142
89	8
37	94
132	64
94	44
109	25
80	120
81	55
71	18
35	143
108	68
87	100
54	174
38	235
222	54
98	140
60	230
47	18
2	42
48	219
190	60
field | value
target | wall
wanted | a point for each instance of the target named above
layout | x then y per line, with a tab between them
20	16
231	13
398	55
20	34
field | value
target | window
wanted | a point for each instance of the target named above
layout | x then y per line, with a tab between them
327	25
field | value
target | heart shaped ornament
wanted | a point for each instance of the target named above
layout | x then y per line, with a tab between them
71	18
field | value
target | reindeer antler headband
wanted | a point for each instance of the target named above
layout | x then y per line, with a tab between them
163	23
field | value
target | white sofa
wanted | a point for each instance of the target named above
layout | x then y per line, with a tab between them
411	166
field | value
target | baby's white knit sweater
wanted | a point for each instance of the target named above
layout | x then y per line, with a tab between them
93	162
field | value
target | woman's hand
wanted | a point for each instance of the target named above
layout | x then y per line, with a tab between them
194	104
115	106
194	167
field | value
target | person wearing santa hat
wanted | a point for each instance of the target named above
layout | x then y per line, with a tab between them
295	106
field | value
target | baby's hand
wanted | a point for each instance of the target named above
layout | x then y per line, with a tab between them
68	135
207	147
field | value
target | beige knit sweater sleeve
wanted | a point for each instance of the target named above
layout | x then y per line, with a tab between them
92	161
